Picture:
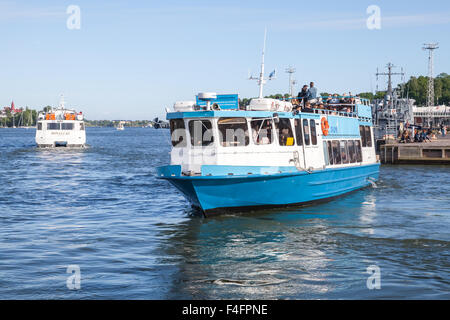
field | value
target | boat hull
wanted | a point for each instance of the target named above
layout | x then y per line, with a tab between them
214	194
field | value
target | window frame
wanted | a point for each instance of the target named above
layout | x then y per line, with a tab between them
185	140
50	124
222	137
313	137
204	143
269	120
306	132
298	131
290	132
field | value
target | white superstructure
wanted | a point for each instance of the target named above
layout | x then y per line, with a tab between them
60	127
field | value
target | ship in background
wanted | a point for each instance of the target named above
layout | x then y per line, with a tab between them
394	111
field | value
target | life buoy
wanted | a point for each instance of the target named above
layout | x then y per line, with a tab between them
325	126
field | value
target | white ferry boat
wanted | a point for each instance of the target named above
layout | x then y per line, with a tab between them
60	127
269	154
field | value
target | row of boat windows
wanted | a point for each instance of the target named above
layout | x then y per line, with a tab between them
235	132
342	151
59	126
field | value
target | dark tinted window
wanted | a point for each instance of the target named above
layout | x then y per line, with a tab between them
67	126
284	130
178	133
201	133
368	137
53	126
344	151
39	126
352	151
362	133
330	152
313	132
233	132
358	151
306	131
298	132
81	126
336	152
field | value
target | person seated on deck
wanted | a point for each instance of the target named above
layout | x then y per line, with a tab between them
405	138
303	95
417	136
307	108
321	107
425	137
329	98
334	99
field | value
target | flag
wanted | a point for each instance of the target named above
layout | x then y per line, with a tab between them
272	74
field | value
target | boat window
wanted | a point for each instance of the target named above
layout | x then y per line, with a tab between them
262	131
306	131
81	126
53	126
285	135
362	133
368	136
201	133
298	132
313	131
39	126
344	151
358	151
330	152
325	153
336	152
233	132
178	133
352	151
66	126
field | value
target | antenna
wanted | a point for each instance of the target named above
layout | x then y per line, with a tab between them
261	80
292	81
430	91
61	101
389	66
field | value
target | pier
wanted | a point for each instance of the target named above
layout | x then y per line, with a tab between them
434	152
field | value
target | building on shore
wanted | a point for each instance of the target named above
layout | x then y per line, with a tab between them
438	114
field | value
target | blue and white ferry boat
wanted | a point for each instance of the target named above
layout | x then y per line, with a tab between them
269	154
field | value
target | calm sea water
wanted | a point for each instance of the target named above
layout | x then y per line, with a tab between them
135	237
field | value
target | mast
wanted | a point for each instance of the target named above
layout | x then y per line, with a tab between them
261	80
292	81
430	90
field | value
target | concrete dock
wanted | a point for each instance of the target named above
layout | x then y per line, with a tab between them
434	152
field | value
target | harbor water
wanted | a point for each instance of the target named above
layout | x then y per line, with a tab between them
101	211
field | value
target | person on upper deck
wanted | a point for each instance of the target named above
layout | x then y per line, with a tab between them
312	93
335	99
303	95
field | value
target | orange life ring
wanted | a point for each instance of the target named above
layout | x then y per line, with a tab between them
325	126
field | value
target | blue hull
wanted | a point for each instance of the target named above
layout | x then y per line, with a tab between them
282	187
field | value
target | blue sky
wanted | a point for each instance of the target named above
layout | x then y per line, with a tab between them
130	59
